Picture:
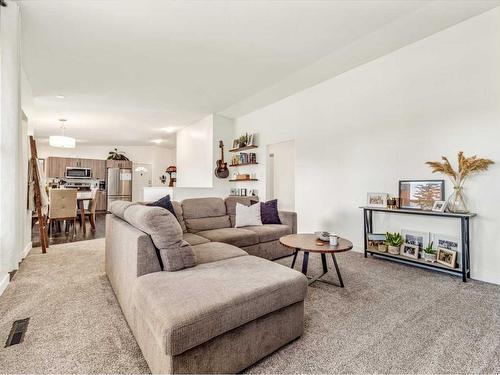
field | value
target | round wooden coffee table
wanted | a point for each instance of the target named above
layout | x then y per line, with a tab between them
307	244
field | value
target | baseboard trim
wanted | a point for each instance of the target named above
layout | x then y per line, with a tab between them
26	250
3	283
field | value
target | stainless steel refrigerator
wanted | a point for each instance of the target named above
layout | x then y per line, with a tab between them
119	184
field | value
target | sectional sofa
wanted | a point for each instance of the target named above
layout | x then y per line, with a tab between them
231	309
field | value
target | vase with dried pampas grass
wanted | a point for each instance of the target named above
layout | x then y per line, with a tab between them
466	168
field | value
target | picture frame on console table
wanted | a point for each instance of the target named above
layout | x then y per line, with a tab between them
420	194
447	242
377	200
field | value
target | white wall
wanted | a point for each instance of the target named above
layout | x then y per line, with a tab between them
280	174
159	157
222	129
11	202
378	123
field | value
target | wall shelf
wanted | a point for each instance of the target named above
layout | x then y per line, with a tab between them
242	164
242	148
243	180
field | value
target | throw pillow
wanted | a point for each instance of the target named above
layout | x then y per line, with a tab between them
164	202
246	216
269	212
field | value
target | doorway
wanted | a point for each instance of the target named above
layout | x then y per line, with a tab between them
142	177
281	174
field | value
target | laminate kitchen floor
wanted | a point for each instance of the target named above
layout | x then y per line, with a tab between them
62	237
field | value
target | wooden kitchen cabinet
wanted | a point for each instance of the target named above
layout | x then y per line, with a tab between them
102	201
56	167
118	164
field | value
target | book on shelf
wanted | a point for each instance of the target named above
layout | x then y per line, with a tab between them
244	158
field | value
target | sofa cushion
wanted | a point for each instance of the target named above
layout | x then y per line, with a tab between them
194	239
270	232
247	215
166	234
231	205
190	307
215	251
207	223
178	213
165	203
269	212
118	208
233	236
196	208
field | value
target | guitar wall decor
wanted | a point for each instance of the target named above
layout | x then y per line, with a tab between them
221	171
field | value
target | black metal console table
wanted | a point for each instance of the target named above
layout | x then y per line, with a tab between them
464	271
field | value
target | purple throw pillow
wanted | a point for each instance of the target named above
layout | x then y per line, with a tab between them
269	212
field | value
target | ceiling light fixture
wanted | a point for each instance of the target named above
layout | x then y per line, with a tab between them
60	96
169	129
62	140
157	141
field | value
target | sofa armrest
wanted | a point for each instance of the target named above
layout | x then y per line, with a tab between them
289	218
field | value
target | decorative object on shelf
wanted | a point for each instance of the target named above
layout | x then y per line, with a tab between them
117	155
446	257
382	248
393	242
429	254
439	206
62	140
421	239
392	203
236	143
447	242
420	194
172	170
221	171
251	140
322	236
254	192
466	167
375	240
377	199
163	179
410	251
243	141
243	192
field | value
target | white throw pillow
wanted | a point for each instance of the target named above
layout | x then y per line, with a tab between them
247	215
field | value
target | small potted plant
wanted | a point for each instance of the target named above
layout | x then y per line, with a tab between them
394	242
429	253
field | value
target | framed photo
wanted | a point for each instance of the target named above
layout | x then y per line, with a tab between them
236	143
420	194
420	239
452	243
446	257
251	140
375	239
410	251
439	206
243	192
377	199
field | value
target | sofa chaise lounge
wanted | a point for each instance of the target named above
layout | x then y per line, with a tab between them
228	311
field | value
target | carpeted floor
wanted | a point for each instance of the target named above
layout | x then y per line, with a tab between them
390	318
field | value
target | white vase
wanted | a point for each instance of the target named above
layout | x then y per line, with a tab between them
429	257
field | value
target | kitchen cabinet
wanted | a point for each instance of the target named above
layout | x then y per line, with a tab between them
118	164
56	167
101	201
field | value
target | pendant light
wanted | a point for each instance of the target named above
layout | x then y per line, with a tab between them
62	140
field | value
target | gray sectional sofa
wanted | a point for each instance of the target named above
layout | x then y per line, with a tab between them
231	309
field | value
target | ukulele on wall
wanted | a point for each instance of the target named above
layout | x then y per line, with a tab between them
221	171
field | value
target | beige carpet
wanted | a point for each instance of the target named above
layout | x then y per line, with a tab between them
390	318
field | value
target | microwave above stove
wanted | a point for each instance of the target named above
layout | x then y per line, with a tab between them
78	172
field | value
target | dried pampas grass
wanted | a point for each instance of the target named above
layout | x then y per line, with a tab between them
466	167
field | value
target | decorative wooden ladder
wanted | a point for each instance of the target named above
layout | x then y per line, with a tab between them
38	200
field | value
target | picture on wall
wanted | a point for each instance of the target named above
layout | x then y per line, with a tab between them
421	239
420	194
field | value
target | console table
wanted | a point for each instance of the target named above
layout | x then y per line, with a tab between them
464	219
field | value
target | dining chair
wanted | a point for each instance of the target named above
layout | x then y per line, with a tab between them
90	211
62	207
